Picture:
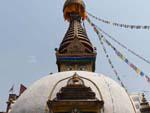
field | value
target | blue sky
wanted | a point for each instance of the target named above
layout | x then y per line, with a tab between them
31	29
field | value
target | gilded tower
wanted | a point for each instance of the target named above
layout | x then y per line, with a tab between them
76	51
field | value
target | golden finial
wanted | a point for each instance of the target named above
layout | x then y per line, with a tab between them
74	6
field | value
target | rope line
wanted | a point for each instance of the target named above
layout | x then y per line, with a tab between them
118	53
146	27
123	46
101	38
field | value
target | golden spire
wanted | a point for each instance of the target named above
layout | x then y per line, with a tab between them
74	6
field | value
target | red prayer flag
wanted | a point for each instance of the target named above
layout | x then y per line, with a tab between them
22	89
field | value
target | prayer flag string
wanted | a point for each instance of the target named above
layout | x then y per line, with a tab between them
101	38
123	46
118	53
119	24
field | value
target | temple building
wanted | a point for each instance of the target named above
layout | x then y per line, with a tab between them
76	88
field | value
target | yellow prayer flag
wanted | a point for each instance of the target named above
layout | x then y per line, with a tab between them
138	71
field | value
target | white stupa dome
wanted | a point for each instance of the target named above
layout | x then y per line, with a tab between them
34	99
